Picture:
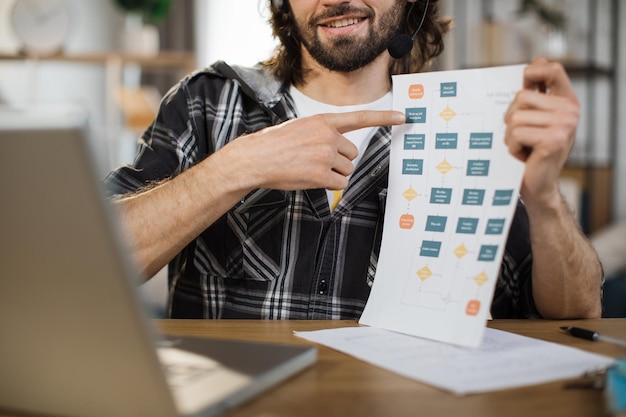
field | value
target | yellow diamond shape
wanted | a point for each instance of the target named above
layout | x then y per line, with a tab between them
481	278
461	251
447	114
424	273
410	194
444	167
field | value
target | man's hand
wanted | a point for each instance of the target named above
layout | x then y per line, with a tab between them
305	153
296	155
541	126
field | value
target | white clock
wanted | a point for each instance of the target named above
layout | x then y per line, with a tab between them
41	26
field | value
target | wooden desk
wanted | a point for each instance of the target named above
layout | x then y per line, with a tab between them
339	385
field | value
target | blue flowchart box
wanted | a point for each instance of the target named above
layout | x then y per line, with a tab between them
448	89
430	249
473	197
467	225
446	141
477	168
487	253
495	227
436	223
441	195
414	141
481	140
412	166
415	114
502	197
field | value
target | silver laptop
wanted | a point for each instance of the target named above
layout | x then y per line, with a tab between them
74	338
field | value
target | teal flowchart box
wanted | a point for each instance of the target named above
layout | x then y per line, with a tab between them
412	166
495	227
467	225
502	197
448	89
446	141
487	253
430	249
415	115
436	223
473	197
414	141
478	168
441	195
481	140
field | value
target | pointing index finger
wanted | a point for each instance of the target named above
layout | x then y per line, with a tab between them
346	122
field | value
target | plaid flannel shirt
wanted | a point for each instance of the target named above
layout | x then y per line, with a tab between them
277	254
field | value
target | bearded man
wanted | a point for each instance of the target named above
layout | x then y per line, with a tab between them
264	188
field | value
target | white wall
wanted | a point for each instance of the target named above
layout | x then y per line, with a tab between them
235	31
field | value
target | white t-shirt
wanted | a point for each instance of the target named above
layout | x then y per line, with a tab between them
306	106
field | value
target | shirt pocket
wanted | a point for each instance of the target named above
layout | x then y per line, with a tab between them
258	223
247	242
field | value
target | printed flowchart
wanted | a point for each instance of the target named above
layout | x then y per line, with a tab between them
453	190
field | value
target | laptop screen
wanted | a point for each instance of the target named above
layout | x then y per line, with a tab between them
63	315
75	338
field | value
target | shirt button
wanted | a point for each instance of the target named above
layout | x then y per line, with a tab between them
323	286
376	171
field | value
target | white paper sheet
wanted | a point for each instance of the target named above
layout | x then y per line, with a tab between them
504	360
453	189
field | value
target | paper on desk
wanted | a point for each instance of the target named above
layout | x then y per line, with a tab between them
453	190
504	360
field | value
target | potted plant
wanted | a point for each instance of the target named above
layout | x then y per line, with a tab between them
151	11
554	22
140	35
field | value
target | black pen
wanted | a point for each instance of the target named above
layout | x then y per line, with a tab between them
591	335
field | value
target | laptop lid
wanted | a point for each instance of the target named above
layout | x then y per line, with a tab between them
75	340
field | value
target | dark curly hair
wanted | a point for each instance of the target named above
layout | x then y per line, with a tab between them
286	63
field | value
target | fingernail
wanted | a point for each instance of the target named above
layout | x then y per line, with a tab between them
398	117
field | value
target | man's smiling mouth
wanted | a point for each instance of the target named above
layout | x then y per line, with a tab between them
343	23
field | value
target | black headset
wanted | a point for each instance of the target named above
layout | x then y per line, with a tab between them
401	45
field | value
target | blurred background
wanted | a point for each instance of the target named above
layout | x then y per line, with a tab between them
116	59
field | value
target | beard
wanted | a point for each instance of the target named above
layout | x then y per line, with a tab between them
349	53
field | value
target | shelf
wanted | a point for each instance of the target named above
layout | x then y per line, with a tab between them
573	68
182	61
581	69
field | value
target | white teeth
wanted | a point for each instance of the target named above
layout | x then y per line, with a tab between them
343	23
